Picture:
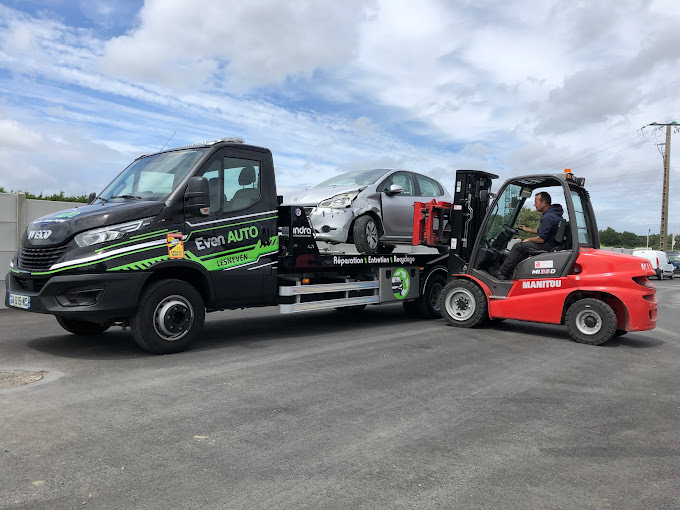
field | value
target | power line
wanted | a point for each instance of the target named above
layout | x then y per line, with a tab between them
593	148
598	159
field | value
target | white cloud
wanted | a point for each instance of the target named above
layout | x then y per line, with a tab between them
241	44
510	88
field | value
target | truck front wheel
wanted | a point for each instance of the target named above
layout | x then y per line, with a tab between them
169	317
464	304
591	321
81	327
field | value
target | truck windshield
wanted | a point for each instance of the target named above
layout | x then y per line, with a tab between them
358	177
152	177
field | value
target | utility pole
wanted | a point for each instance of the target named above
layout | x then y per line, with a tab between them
663	234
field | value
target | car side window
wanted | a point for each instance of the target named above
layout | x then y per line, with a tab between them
403	179
429	187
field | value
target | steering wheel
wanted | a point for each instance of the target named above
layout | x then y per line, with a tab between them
510	230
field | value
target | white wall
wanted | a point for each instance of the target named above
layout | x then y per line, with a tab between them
16	212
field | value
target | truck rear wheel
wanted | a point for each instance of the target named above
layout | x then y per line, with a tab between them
81	327
169	317
591	321
464	304
429	304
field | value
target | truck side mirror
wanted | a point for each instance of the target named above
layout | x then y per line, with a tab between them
91	197
197	197
395	189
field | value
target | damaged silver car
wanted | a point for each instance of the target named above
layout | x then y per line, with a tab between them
371	208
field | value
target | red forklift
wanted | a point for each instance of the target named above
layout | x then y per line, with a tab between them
597	294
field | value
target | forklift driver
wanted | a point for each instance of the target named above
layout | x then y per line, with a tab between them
543	241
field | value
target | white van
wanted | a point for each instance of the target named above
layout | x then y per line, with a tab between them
659	261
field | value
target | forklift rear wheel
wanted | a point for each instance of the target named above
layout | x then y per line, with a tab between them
169	317
366	233
81	327
463	304
591	321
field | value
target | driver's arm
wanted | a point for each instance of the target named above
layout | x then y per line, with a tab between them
534	239
529	230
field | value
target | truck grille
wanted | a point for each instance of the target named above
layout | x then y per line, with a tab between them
29	284
39	259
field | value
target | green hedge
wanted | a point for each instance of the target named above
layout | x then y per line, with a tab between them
57	197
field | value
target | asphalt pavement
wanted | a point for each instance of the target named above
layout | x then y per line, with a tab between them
328	410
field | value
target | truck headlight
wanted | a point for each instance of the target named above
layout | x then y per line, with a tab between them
110	233
339	201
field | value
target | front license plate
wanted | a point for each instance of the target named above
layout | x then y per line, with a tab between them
18	301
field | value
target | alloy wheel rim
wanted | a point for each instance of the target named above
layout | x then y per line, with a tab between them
372	235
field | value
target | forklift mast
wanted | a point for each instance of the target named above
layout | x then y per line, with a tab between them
470	202
455	225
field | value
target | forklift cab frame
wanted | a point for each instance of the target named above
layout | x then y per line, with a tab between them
579	229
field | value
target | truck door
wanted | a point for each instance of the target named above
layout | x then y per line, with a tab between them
238	241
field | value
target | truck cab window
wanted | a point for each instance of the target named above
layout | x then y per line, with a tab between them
241	183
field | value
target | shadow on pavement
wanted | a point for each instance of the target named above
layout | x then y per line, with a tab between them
222	331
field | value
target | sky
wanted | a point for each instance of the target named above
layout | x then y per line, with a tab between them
509	87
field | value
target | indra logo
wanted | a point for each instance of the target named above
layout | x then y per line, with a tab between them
401	283
302	231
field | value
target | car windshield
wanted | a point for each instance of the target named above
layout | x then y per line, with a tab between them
152	177
673	257
357	177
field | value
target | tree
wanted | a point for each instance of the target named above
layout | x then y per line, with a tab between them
610	237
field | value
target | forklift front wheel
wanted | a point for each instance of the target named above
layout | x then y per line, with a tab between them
464	304
169	317
591	321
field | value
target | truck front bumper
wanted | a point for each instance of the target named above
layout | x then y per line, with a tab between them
100	298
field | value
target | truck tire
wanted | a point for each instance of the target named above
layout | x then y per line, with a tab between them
591	321
81	327
169	317
464	304
366	233
429	304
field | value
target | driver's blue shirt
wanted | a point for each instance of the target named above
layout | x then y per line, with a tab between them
549	223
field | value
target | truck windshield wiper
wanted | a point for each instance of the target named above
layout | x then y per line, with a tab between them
127	196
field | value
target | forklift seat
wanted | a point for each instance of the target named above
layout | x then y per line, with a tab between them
562	237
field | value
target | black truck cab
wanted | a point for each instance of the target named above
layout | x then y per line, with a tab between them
194	229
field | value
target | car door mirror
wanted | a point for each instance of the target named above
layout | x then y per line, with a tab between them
197	197
395	189
91	197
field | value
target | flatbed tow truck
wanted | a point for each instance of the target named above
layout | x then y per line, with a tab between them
201	228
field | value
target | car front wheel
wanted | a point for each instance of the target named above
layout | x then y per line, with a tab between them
366	233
